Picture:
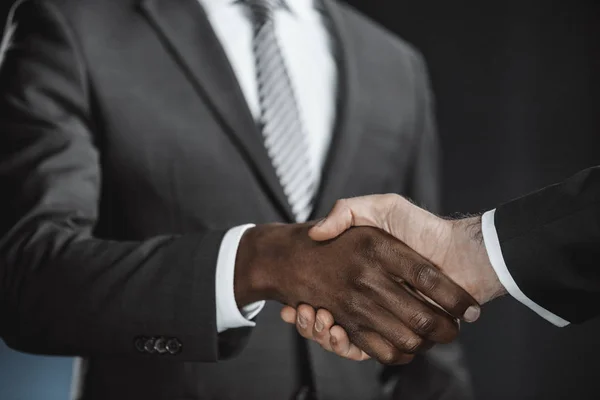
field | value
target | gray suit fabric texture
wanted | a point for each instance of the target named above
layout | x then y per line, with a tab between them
127	151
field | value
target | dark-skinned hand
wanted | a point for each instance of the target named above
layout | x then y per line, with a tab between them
365	277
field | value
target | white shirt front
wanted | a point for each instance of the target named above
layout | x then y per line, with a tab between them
307	47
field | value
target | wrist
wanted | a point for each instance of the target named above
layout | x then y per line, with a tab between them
253	279
478	275
248	284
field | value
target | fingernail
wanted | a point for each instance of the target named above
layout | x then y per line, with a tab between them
321	221
319	325
301	321
472	314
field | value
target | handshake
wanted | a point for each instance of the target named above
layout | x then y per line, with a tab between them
395	278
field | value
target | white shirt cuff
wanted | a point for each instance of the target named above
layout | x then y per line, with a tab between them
492	246
229	315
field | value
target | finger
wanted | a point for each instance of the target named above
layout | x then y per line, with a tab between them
377	318
401	317
419	316
288	314
381	349
323	323
358	211
431	282
305	321
341	345
427	300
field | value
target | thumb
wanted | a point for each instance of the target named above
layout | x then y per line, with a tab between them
346	213
340	219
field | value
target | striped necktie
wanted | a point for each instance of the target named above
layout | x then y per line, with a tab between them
282	129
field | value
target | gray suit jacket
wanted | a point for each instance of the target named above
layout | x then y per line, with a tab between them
127	150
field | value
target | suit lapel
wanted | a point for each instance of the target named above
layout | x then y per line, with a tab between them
348	129
185	27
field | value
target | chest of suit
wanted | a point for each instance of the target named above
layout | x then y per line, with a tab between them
180	150
179	144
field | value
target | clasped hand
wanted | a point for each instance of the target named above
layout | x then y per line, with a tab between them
405	301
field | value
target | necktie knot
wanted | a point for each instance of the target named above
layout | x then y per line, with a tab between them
262	10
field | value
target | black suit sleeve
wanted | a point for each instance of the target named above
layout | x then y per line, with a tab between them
62	290
550	242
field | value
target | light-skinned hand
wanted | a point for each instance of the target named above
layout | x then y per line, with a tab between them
455	246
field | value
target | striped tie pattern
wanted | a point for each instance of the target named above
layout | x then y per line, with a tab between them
282	129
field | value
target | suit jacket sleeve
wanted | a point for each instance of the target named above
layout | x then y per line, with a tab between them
62	290
550	242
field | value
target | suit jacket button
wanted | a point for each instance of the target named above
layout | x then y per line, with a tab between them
139	343
173	346
160	345
149	345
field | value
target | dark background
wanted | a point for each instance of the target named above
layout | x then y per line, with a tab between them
518	95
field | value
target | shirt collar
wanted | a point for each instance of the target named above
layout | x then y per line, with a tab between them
300	8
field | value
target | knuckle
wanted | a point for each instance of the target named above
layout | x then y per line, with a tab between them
365	279
342	206
423	323
390	197
412	344
457	304
352	299
425	276
340	203
366	244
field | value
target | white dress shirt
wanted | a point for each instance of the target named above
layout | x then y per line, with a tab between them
308	50
492	246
